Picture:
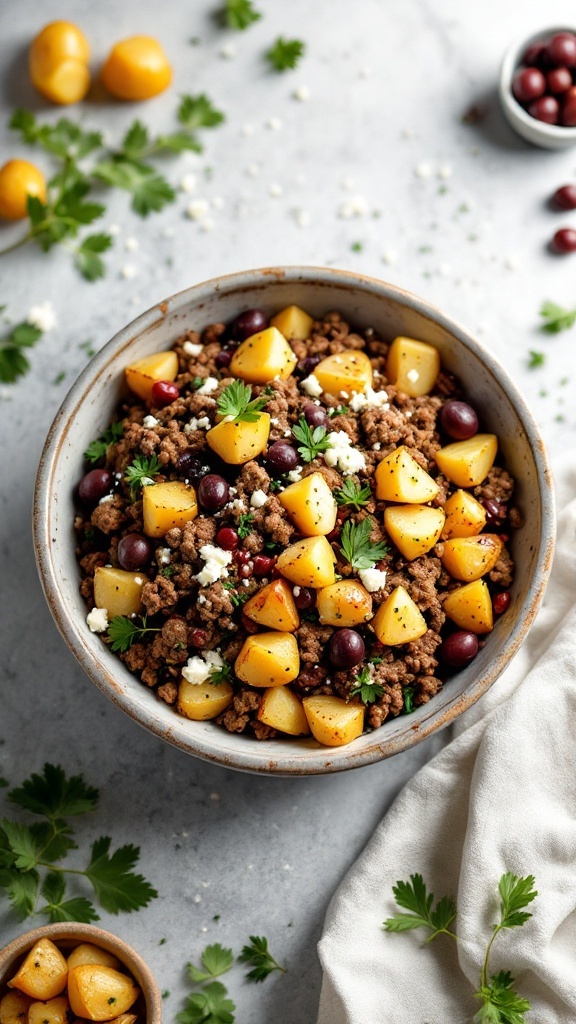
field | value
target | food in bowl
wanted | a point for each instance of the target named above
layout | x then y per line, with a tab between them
545	82
287	520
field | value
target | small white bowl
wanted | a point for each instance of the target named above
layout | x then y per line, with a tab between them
547	136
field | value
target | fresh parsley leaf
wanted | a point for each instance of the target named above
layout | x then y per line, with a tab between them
149	190
536	359
123	632
54	795
338	410
285	53
408	695
515	893
258	955
245	524
210	1006
216	960
141	471
115	884
500	1003
222	674
199	112
58	909
136	141
556	318
240	14
312	441
64	139
357	547
98	449
236	401
21	890
352	493
366	688
414	897
13	362
87	256
237	597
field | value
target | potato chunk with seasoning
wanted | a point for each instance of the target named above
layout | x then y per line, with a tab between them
311	505
203	701
465	517
413	528
268	659
44	972
274	606
341	374
469	558
100	993
53	1011
237	443
400	478
467	463
262	357
143	374
470	607
345	603
293	322
87	953
14	1008
308	563
333	721
281	709
118	591
398	620
413	366
167	505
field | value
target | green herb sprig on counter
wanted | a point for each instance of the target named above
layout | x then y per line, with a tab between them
313	441
536	359
357	548
141	471
285	54
257	954
239	14
98	449
353	494
236	401
28	850
501	1004
123	632
13	360
212	1005
556	318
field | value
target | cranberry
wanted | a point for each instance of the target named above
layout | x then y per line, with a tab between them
242	557
245	571
346	648
495	513
558	80
224	357
459	420
197	637
459	649
305	598
501	602
309	364
263	565
564	241
249	323
213	492
562	49
315	416
565	197
134	552
95	485
282	457
227	538
164	392
528	84
568	112
545	109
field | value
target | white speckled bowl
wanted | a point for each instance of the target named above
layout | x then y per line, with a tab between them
90	405
547	136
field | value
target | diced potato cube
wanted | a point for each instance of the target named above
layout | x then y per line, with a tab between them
14	1008
167	505
398	620
118	591
144	373
413	528
281	709
310	505
467	463
413	366
203	701
43	973
87	953
100	993
341	374
262	357
470	607
465	517
53	1011
400	478
293	322
308	563
268	659
332	720
469	558
274	606
237	443
345	603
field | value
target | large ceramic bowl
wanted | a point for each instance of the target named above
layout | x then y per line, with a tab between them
90	405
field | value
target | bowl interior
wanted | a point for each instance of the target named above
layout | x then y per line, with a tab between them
91	403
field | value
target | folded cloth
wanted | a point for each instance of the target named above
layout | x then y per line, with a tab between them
500	797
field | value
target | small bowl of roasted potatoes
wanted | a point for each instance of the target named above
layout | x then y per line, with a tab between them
293	520
71	971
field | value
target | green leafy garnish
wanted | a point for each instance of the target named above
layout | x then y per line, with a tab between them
408	695
28	850
245	523
98	449
556	318
338	410
216	960
149	190
139	474
285	53
220	675
366	688
210	1006
236	401
87	256
357	547
123	632
258	955
312	441
240	14
237	597
414	897
536	359
352	493
13	362
199	112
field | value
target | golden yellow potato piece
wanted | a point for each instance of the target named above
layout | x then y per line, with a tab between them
268	659
18	180
167	505
87	953
136	69
467	463
293	322
54	1011
274	606
125	1018
400	478
58	62
100	993
237	443
144	373
203	701
413	366
469	558
332	720
310	505
44	972
470	607
341	374
398	620
281	709
118	591
465	517
262	357
344	603
14	1008
413	528
308	563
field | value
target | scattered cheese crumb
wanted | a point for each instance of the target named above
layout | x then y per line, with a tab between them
42	316
276	190
97	620
445	172
342	454
258	498
149	422
369	399
128	271
216	560
296	591
302	93
238	505
302	218
107	498
164	556
188	183
210	384
312	386
294	475
389	256
274	124
423	170
228	51
377	446
355	208
131	244
191	348
203	423
197	209
372	579
197	669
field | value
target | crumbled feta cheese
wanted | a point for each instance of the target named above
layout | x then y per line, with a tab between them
197	209
228	51
201	599
344	394
369	399
238	505
413	375
97	620
296	591
312	386
196	671
276	190
42	316
423	170
106	499
294	475
216	560
337	359
372	579
131	244
149	422
445	172
128	271
342	454
210	384
377	446
258	499
389	257
302	218
164	556
356	207
302	93
274	421
191	348
113	230
274	124
197	424
188	183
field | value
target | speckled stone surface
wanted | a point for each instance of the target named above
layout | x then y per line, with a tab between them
373	170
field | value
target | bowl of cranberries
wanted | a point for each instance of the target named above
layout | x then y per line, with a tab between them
538	88
247	544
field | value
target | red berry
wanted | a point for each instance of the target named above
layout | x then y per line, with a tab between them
197	637
559	80
565	197
94	485
164	392
227	538
564	241
242	557
528	84
501	602
562	49
263	565
568	112
534	56
245	571
545	109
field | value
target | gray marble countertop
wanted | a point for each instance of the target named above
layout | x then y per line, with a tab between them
360	159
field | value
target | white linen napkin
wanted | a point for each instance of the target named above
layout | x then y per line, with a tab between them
500	797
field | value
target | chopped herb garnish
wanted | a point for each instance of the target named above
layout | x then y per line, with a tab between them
536	359
196	383
352	493
408	695
13	362
285	53
240	14
245	524
123	632
556	318
167	571
98	449
366	688
357	547
338	410
216	960
236	401
356	247
139	474
237	597
276	485
313	441
258	955
221	675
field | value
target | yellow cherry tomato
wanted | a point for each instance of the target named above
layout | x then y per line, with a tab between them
58	62
18	180
136	69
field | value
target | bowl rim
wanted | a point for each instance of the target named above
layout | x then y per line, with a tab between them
327	759
510	62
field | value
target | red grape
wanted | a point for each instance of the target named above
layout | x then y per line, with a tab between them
545	109
315	416
282	456
459	420
249	323
213	492
535	54
346	648
562	49
134	552
263	565
459	649
565	197
305	598
94	485
528	84
501	602
564	241
559	80
568	112
227	538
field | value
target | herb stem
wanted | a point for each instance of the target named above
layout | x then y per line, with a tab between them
497	928
440	931
17	245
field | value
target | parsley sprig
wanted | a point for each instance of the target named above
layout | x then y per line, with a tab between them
239	14
245	524
357	548
223	674
30	855
123	632
259	956
313	441
13	361
366	688
285	54
139	474
352	493
98	449
501	1004
556	318
236	401
211	1005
